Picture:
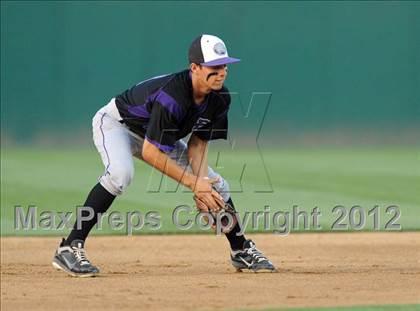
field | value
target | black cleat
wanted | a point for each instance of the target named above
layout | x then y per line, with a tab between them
251	258
72	260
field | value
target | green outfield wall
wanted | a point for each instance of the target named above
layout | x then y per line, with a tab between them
327	65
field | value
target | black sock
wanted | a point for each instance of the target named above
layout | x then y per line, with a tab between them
99	199
236	241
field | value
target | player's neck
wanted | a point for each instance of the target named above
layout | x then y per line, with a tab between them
199	91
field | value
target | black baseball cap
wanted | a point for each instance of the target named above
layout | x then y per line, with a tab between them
208	50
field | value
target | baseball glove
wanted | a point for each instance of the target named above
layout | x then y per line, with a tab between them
222	221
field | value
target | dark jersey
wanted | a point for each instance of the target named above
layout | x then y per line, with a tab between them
162	110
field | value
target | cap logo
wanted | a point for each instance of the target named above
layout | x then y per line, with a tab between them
219	49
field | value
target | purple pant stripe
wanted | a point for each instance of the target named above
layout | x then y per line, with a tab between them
103	143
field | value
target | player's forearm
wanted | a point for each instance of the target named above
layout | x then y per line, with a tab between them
197	156
159	160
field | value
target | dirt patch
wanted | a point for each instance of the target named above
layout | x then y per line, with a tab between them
192	272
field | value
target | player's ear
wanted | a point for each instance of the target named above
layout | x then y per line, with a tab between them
194	67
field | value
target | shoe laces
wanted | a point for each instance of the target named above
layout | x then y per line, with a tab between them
80	255
255	253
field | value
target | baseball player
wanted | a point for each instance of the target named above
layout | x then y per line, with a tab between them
149	121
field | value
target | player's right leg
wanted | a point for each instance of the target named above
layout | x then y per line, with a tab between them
114	144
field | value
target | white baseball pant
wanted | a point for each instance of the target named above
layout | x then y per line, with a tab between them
117	145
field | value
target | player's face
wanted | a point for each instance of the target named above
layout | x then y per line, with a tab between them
213	76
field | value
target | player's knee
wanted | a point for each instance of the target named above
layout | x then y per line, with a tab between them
118	178
123	175
222	186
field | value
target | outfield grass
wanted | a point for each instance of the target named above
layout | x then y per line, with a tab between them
59	180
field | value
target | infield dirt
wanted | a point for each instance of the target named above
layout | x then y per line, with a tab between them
192	272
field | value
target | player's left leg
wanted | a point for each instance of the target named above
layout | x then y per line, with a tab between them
244	254
180	155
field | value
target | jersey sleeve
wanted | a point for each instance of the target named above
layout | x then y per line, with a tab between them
162	128
218	127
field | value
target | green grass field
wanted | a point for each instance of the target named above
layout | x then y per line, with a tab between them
59	180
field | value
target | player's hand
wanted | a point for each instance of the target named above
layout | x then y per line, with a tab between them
206	198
